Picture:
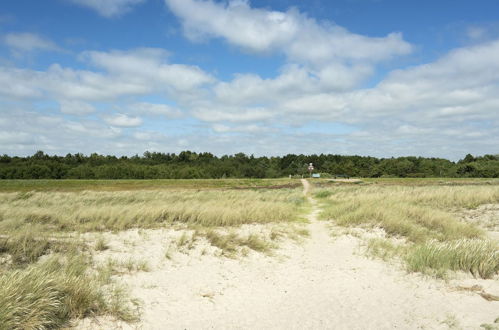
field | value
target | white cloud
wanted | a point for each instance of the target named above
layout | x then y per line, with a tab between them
299	37
136	72
252	128
109	8
15	138
236	115
73	107
152	109
444	108
28	42
464	82
148	66
122	120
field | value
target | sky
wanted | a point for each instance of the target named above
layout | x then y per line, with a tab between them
383	78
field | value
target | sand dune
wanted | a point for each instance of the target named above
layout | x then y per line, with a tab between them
324	283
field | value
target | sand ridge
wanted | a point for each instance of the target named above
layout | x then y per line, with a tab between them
324	283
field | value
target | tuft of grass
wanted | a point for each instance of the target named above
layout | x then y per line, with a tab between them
114	267
27	246
168	252
384	248
325	193
255	243
231	243
479	257
50	294
226	242
101	244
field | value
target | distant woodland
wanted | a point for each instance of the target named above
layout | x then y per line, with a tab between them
187	165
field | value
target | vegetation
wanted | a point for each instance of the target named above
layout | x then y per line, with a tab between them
97	211
478	256
192	165
437	241
48	276
28	186
49	294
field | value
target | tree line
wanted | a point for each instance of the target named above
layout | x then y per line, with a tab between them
192	165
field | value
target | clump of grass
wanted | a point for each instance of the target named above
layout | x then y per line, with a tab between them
168	252
187	241
27	246
231	243
101	244
113	266
323	193
226	242
479	257
384	248
255	243
24	248
50	294
303	232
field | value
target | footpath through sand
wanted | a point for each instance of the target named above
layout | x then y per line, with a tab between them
324	283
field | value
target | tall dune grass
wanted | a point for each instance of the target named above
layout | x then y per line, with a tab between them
48	295
477	256
46	280
425	216
94	211
417	213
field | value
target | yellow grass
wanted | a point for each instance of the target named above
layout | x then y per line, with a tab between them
95	211
38	294
425	217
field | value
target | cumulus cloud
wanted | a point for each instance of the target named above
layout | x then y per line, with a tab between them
134	72
109	8
73	107
23	42
122	120
252	128
464	82
15	138
235	115
148	65
152	109
444	108
299	37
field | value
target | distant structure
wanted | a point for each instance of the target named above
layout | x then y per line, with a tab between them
310	168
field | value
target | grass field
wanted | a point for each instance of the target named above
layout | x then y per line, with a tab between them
117	185
48	269
425	217
47	274
325	182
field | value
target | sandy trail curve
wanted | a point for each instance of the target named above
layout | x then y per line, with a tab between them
323	283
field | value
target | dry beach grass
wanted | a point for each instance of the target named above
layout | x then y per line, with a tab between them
247	258
425	216
48	275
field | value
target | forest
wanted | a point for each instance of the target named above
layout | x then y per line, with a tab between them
192	165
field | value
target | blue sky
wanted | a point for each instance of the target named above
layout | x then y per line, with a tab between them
369	77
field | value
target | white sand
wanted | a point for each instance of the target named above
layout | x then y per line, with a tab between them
324	283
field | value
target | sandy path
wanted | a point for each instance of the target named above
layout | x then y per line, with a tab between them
321	284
